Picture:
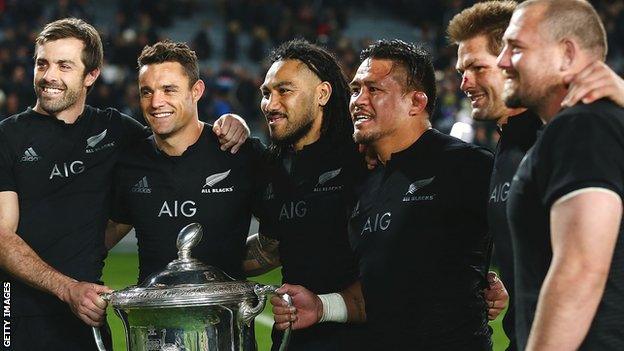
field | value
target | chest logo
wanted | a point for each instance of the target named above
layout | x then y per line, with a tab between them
378	223
292	210
92	143
67	169
30	155
268	193
414	187
213	180
141	187
500	193
326	177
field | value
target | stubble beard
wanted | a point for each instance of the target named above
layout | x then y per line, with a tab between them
297	131
67	99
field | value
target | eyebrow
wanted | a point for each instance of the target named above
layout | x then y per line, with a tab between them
71	62
468	63
278	85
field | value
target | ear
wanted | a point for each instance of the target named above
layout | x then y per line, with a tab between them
569	50
419	103
91	77
324	91
197	90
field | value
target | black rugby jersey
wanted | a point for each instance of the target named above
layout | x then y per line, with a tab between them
306	207
160	194
517	137
420	231
62	175
581	147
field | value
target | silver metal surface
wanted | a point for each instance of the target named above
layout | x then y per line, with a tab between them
189	306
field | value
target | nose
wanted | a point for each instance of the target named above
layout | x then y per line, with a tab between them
503	60
271	103
467	81
359	100
158	100
51	74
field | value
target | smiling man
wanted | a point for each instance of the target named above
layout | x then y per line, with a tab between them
179	174
565	206
56	161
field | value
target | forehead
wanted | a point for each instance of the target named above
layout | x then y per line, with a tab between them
524	24
473	49
162	73
288	70
61	49
373	70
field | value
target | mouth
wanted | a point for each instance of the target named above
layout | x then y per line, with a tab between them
273	118
360	118
51	91
161	114
475	98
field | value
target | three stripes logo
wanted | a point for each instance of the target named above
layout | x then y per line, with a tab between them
141	187
30	155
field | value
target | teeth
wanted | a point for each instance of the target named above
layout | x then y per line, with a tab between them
52	90
361	118
162	114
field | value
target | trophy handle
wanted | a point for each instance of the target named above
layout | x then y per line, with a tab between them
97	335
262	291
99	343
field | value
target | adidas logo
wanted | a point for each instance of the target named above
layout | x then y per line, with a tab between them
268	193
141	187
30	155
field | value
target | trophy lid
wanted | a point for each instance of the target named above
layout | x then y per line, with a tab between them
185	281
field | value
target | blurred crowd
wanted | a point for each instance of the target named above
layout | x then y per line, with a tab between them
234	67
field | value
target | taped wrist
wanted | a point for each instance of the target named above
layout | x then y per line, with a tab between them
334	308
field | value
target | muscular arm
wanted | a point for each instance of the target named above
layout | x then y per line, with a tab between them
584	230
114	233
262	255
19	260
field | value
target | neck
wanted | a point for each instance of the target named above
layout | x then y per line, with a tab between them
551	105
176	143
509	113
69	115
400	140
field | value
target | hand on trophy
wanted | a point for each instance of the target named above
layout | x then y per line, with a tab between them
307	308
496	296
84	300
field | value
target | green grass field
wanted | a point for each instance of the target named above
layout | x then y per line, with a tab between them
121	270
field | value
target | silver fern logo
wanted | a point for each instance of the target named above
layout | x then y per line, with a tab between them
414	187
326	177
93	141
213	180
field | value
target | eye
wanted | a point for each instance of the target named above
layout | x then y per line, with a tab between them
283	91
355	90
65	67
145	93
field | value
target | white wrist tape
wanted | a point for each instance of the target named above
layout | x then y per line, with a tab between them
334	308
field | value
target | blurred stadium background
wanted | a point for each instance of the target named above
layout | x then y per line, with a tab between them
232	39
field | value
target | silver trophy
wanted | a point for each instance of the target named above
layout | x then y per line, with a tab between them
190	306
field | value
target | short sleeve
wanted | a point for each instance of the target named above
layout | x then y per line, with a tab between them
7	176
579	151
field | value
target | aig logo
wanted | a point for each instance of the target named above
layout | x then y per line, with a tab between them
176	209
293	209
379	222
500	193
65	170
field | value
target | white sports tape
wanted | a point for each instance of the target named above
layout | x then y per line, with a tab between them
334	308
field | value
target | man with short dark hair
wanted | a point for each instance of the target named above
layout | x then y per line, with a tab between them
179	174
420	215
565	206
55	166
